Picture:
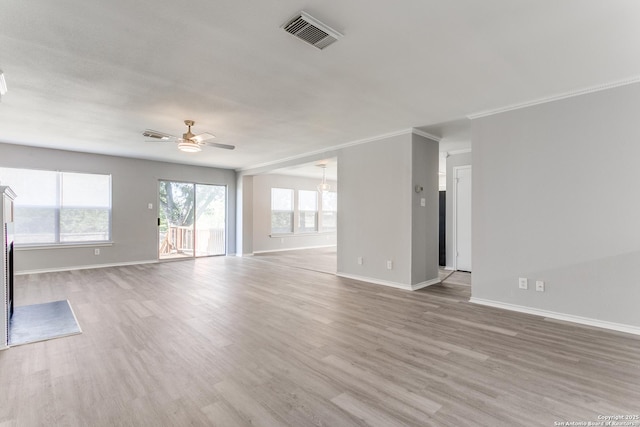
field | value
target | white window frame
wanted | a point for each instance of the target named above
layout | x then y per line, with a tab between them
58	208
301	212
280	211
335	213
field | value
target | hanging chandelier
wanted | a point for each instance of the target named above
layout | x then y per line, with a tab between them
323	186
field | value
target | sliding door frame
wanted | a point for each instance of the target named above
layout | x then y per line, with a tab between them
195	237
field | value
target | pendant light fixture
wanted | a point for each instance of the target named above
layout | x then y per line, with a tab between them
323	186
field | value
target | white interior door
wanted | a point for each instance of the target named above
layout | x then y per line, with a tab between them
462	218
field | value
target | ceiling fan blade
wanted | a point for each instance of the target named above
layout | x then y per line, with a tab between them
156	135
202	137
223	146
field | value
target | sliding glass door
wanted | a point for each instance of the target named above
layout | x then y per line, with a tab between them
211	221
192	219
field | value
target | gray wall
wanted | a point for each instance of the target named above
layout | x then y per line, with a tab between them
379	213
244	215
555	198
452	161
374	209
134	185
261	230
424	219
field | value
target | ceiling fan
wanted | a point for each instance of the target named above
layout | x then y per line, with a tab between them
189	142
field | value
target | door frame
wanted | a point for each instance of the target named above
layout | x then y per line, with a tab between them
454	219
226	219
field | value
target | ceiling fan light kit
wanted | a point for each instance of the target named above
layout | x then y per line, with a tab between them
189	143
188	146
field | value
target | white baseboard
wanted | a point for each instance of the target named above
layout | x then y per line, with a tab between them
620	327
83	267
397	285
425	284
375	281
449	268
292	249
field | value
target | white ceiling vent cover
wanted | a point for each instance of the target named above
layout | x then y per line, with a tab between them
312	31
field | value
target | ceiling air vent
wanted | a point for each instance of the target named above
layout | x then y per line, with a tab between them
312	31
155	134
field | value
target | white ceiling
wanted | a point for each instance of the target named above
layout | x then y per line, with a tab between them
90	76
311	170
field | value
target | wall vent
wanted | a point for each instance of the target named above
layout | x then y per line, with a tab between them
312	31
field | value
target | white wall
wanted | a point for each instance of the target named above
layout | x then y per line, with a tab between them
555	198
134	185
453	160
261	230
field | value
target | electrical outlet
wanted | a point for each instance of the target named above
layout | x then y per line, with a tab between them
423	202
389	265
96	251
539	286
150	206
523	283
360	260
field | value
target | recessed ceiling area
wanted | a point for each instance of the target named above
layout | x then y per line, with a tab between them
91	76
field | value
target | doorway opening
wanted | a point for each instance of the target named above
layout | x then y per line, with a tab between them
191	220
462	218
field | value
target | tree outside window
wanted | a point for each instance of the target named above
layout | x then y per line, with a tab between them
281	210
308	211
329	211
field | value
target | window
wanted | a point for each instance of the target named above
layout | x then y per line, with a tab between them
281	210
60	207
308	211
329	210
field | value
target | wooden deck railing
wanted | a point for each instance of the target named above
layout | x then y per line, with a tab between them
180	240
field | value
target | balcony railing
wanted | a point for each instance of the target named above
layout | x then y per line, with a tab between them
180	241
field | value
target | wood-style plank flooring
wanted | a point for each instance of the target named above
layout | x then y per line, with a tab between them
233	341
323	260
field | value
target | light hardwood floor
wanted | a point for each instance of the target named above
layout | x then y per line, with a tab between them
236	341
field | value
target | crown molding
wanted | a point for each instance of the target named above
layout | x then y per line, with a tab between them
552	98
426	135
461	151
